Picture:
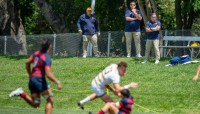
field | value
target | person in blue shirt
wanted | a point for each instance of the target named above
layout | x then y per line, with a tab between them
133	17
88	26
153	35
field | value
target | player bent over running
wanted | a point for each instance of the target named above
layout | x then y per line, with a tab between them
110	74
122	107
37	81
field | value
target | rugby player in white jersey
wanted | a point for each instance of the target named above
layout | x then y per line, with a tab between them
110	75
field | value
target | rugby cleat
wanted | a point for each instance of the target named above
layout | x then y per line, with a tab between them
16	92
80	105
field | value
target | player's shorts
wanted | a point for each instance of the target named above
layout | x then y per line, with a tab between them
38	85
97	89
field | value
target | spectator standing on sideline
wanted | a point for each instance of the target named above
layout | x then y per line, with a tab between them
153	35
89	28
133	17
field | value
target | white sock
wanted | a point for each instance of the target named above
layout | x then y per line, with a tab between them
87	99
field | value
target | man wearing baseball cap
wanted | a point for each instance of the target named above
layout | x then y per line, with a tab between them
89	28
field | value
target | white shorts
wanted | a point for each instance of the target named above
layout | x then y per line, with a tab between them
97	89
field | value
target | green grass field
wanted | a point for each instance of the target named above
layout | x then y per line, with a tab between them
161	89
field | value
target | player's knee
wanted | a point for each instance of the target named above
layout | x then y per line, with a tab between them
36	102
48	96
108	104
50	99
36	105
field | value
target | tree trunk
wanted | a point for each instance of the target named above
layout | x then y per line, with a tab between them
148	8
155	9
179	25
125	5
178	12
191	18
11	24
144	16
55	21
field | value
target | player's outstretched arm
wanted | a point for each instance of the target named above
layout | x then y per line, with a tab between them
53	78
197	74
119	88
28	66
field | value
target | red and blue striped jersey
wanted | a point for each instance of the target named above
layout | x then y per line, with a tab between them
41	62
126	105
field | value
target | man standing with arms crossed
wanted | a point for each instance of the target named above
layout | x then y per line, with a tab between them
153	35
89	28
133	17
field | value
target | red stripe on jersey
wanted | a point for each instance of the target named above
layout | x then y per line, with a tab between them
129	106
120	104
40	59
130	101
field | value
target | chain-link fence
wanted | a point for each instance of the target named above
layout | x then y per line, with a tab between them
110	43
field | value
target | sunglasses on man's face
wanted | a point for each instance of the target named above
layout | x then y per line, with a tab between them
133	5
153	17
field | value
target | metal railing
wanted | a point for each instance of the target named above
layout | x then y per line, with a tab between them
111	43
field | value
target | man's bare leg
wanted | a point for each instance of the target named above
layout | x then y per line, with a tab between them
48	95
109	108
91	97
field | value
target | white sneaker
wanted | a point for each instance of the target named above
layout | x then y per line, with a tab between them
145	61
97	55
138	55
157	61
84	56
16	92
128	55
80	105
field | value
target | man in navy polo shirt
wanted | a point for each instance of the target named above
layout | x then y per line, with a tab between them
89	28
133	17
153	35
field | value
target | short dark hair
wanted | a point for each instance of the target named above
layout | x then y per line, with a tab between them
153	14
122	64
125	93
132	2
45	44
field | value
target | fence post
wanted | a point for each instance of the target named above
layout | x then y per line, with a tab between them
109	37
164	50
5	45
54	44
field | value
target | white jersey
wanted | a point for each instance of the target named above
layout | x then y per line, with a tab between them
109	75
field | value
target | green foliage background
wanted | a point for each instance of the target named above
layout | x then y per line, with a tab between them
110	14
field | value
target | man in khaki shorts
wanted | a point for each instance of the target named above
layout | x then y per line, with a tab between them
89	28
133	17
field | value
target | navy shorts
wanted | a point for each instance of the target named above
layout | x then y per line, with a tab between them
38	85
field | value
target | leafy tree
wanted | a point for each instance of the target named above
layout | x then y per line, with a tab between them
11	23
